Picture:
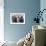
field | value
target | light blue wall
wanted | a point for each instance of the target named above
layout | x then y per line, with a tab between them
43	6
29	7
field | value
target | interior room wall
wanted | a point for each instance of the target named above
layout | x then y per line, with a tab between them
17	31
43	6
1	20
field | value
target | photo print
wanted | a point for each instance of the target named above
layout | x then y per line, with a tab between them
17	18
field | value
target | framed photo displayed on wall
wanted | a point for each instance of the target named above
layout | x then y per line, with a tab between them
17	18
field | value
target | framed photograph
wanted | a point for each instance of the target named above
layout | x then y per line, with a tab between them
17	18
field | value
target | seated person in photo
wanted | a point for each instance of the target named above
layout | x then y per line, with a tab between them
21	19
14	19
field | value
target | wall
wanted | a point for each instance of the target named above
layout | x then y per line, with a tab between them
29	7
43	6
1	21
